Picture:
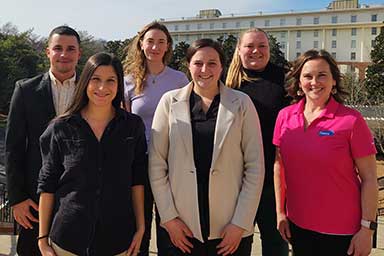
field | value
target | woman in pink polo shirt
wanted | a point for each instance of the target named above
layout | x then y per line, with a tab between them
325	168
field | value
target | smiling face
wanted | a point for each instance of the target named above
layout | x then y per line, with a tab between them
316	81
154	45
205	68
254	50
63	52
102	87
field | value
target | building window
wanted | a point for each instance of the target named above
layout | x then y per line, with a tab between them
282	22
334	32
353	18
187	27
316	44
252	24
267	23
238	24
176	27
199	26
353	31
298	44
333	44
373	43
334	19
198	36
299	21
298	54
333	55
316	33
353	44
282	45
224	25
374	17
374	31
316	20
282	34
353	56
211	25
298	34
176	37
186	37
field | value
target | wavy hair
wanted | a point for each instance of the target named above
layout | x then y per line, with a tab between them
293	78
236	72
135	62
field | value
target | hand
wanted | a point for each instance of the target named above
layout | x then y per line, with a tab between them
23	215
361	243
178	233
134	248
232	236
45	248
283	226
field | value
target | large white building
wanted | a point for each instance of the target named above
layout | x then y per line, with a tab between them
345	29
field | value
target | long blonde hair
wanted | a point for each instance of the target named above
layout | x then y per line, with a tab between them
236	72
135	62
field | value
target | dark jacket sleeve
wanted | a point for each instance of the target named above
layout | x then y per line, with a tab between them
140	163
15	147
51	168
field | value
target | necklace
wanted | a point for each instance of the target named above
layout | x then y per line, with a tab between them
153	77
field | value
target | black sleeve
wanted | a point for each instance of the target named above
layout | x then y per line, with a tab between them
15	147
140	163
51	168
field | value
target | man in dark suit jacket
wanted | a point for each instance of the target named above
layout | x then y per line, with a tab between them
34	103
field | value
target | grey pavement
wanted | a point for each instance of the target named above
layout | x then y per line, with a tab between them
8	243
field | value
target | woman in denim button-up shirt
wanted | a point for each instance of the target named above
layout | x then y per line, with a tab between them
91	181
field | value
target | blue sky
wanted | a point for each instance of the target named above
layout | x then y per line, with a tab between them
120	19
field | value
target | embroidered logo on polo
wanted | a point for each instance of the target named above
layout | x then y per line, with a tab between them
326	133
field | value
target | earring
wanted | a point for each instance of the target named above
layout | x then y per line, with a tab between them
334	90
300	92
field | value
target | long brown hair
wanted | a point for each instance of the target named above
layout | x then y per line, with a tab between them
80	99
135	62
293	78
236	72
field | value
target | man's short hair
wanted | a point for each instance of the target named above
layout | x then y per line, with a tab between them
64	30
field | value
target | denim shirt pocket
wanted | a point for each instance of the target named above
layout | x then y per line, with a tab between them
74	150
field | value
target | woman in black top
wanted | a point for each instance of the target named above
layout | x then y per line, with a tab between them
91	181
252	72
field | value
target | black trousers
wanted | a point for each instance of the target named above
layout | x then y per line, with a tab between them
306	242
27	243
271	242
148	216
209	248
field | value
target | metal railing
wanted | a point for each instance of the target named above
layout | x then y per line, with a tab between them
6	216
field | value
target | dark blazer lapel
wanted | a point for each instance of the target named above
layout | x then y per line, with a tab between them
45	91
227	109
180	109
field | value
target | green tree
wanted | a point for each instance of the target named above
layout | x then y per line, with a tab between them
89	46
277	56
178	60
118	48
375	72
228	44
19	58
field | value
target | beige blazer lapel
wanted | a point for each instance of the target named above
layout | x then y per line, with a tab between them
229	105
180	109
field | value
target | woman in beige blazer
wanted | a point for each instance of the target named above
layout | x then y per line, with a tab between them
206	164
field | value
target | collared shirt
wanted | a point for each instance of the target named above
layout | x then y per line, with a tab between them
323	187
203	133
92	181
62	93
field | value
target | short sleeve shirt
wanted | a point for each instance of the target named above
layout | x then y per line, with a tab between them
323	187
